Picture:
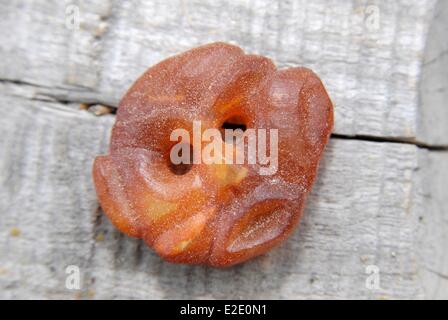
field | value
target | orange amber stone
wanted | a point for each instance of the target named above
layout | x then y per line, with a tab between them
214	214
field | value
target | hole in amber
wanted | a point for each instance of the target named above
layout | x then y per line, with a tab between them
232	123
182	168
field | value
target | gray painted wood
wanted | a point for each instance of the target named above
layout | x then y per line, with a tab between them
379	204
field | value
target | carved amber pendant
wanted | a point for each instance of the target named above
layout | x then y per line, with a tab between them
219	207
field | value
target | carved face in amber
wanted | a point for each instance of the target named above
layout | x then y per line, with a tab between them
214	214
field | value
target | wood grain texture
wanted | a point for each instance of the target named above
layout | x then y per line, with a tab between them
374	204
432	236
433	117
371	69
360	213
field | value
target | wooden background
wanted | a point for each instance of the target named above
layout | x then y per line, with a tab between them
380	198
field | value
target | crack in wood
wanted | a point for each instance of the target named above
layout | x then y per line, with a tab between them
99	109
437	273
401	140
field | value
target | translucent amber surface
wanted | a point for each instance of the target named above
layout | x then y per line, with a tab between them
218	214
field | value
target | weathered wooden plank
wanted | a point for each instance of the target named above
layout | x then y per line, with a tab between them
374	204
433	118
432	239
369	56
363	211
46	194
